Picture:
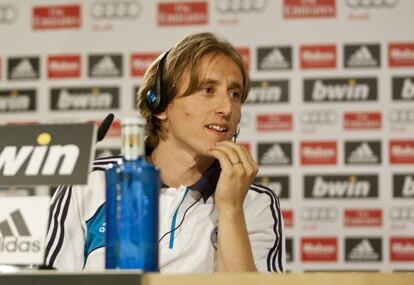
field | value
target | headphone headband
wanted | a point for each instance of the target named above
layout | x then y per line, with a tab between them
156	100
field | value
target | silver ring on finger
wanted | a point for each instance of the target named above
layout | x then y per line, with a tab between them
236	162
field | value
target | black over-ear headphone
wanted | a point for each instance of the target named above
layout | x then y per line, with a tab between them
156	98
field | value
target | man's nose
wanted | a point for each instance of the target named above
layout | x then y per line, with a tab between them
224	104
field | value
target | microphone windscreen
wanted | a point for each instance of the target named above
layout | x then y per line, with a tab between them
104	127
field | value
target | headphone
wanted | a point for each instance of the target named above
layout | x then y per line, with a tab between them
156	100
236	134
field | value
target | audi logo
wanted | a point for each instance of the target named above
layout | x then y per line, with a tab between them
318	117
8	13
115	9
402	116
354	4
402	213
321	214
236	6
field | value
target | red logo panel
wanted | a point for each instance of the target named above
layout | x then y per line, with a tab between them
401	152
287	218
293	9
274	122
64	66
401	54
363	217
246	145
141	61
56	17
318	56
402	249
362	120
245	54
319	249
318	152
182	13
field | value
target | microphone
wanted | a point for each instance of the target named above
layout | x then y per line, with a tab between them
104	126
236	134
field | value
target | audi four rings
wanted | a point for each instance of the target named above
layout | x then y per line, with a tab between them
402	213
234	6
402	116
8	14
371	3
322	117
125	9
319	214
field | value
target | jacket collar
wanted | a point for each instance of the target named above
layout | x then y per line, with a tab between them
207	183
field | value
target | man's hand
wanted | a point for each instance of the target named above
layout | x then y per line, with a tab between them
238	170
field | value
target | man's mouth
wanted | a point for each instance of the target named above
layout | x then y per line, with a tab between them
217	128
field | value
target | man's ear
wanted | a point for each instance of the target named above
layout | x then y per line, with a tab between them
162	116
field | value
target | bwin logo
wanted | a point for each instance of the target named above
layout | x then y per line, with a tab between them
22	241
275	186
264	94
84	99
331	189
408	187
41	159
407	92
15	102
340	92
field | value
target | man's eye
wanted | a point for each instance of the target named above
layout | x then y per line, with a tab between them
235	94
206	90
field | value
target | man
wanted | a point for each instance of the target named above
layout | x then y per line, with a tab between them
212	218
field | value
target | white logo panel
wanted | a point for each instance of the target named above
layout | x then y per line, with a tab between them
23	225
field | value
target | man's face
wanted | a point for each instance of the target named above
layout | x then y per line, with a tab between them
211	114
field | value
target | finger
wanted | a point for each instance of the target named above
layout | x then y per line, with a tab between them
230	152
249	157
250	166
242	153
233	162
222	157
235	165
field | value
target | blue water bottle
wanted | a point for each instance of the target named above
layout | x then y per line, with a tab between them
132	189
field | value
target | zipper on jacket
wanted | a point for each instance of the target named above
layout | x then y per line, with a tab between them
174	219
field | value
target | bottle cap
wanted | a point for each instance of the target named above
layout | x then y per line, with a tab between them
140	121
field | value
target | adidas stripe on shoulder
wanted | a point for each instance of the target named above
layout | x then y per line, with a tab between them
59	211
56	230
275	256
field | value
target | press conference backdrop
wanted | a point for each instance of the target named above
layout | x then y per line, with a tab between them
330	116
